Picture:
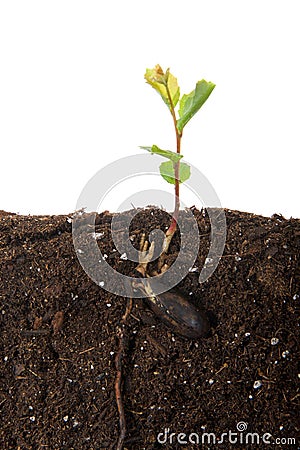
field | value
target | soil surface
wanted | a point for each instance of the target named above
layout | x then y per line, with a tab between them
59	340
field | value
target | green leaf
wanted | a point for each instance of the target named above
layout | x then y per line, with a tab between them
168	173
162	83
172	156
190	103
173	88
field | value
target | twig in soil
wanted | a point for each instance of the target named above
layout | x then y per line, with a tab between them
119	378
29	333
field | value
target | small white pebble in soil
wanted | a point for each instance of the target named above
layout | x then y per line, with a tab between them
111	353
3	312
190	293
251	397
5	358
193	269
295	297
69	220
142	348
274	341
92	367
281	427
32	418
75	423
172	339
66	418
247	334
30	407
124	256
38	269
108	305
98	235
285	353
228	382
103	388
298	375
136	365
208	261
105	256
101	283
80	251
257	384
238	258
211	381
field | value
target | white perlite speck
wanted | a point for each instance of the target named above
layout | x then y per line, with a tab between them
124	256
257	384
98	235
274	341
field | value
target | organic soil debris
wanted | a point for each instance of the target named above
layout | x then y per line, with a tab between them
57	377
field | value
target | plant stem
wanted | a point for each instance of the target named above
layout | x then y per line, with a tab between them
172	228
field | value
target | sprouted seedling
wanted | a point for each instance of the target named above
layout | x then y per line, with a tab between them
171	306
182	109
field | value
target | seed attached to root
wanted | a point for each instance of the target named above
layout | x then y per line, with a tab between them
181	316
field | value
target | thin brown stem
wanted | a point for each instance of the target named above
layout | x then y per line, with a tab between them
172	228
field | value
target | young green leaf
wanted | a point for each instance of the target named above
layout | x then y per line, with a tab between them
165	84
168	173
172	156
191	103
173	88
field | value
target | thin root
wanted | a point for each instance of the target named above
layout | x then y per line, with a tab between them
119	377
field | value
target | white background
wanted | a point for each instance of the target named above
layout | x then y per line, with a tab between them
73	97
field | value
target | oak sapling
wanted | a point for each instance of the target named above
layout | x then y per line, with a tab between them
171	306
182	109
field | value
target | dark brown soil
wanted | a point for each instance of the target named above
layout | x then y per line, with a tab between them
58	340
